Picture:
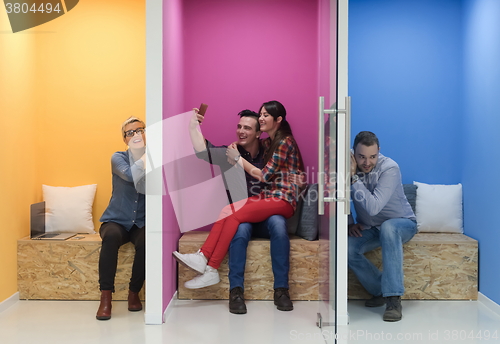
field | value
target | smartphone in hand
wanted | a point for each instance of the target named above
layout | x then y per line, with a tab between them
203	109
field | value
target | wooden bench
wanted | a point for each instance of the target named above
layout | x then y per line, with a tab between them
303	275
436	266
68	270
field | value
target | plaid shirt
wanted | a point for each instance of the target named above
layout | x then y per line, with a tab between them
284	161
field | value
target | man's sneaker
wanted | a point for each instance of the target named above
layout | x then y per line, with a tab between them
393	310
194	261
237	301
375	301
282	299
210	277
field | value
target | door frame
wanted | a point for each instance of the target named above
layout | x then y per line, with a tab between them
342	158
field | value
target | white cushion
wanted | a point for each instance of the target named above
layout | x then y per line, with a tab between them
439	208
69	209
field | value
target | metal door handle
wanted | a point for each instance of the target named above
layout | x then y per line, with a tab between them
321	157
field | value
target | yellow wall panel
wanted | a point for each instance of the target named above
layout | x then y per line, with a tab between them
93	73
17	148
65	88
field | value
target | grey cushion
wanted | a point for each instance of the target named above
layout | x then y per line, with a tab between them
411	194
293	222
309	220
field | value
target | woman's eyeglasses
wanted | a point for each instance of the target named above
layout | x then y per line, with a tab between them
131	133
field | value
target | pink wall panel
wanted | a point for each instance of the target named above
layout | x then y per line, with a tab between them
239	54
172	105
324	50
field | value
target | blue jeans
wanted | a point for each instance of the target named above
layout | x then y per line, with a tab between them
273	228
392	235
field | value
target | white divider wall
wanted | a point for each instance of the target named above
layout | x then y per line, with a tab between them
154	111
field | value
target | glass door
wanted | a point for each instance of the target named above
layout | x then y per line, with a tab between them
327	184
333	181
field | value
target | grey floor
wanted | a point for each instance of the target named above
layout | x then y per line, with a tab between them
207	322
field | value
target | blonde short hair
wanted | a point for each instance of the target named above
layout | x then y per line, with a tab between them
130	120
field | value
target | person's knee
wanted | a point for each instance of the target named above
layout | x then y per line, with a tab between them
112	234
243	233
390	231
226	212
277	226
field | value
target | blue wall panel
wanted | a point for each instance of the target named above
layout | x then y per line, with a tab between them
405	79
424	75
482	123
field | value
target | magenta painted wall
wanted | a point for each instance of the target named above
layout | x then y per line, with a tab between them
172	105
325	58
237	54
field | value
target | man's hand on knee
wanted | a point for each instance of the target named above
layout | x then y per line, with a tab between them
355	230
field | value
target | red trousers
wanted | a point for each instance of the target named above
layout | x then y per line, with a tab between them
253	209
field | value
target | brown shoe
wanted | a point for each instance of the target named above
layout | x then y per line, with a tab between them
134	302
104	311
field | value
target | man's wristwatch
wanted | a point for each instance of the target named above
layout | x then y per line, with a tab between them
354	178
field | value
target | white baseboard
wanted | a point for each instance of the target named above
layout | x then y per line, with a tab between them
152	319
9	302
490	304
156	319
343	319
170	307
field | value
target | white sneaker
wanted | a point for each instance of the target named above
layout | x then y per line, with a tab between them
210	277
195	261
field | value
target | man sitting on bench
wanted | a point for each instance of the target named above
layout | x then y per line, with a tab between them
384	219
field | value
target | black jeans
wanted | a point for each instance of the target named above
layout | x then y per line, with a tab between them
113	236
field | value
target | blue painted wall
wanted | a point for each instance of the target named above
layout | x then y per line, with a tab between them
482	122
424	75
405	79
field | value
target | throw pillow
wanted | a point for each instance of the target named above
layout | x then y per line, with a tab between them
309	218
410	191
439	208
69	209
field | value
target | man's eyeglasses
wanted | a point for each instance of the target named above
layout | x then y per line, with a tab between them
131	133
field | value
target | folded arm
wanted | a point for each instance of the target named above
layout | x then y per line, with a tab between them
130	172
374	202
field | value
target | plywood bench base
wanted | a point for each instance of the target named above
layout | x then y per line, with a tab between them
303	276
436	266
68	270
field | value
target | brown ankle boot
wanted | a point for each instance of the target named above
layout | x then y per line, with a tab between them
104	311
134	302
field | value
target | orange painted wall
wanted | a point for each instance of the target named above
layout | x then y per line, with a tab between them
82	75
18	162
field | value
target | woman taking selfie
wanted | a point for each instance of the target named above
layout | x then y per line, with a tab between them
279	197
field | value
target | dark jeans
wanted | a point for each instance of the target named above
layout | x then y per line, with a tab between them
273	228
113	236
